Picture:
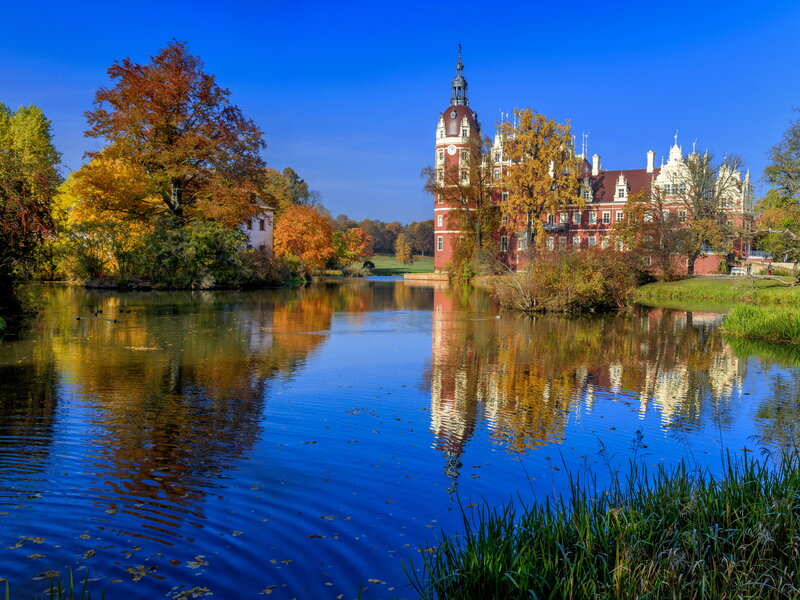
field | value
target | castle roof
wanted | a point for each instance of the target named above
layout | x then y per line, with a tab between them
604	185
454	116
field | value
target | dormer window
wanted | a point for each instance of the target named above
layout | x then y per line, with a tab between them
620	192
464	132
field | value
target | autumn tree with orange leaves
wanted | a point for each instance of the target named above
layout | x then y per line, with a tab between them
542	173
350	246
197	154
305	234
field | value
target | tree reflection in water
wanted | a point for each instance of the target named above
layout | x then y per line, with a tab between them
525	375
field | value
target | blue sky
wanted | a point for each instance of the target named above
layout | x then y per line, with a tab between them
348	94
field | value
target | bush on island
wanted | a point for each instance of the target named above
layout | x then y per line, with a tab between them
573	282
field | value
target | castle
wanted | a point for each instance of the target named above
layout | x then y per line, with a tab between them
604	193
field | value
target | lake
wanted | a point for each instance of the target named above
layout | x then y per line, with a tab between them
305	443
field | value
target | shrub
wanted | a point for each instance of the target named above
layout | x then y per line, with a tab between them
198	255
572	282
368	266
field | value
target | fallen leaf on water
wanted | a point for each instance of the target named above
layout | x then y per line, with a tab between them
236	533
89	554
268	590
36	555
375	581
47	575
315	536
199	561
85	536
428	550
137	571
286	562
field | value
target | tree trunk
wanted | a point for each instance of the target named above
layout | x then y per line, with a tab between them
690	264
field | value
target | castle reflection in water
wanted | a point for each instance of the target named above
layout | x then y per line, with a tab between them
526	376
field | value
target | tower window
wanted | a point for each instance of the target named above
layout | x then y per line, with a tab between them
439	220
440	243
261	224
441	155
504	243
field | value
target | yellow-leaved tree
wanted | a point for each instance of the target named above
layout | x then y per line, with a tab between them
541	173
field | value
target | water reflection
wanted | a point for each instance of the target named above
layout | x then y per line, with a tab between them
525	376
273	431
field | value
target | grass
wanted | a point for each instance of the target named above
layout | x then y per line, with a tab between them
665	533
387	264
57	590
720	289
760	323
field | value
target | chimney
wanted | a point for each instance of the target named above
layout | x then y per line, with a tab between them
595	164
651	159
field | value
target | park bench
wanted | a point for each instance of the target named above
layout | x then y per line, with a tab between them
738	271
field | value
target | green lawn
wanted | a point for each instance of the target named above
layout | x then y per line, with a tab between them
387	264
721	289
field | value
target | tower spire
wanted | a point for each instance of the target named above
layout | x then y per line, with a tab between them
458	96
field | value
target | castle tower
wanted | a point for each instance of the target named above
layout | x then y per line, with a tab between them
458	125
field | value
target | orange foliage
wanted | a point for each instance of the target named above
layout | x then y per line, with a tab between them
303	232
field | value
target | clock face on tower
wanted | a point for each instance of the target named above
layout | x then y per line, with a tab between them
451	149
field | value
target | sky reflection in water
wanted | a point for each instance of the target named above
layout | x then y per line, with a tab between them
301	443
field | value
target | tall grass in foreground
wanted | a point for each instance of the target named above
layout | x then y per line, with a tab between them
58	591
773	324
669	533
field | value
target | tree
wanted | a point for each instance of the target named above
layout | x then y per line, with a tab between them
650	229
466	186
783	172
778	226
198	154
420	236
302	232
28	181
402	250
343	223
779	219
703	188
350	246
542	174
299	192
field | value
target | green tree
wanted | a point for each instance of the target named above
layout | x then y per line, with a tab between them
783	172
28	181
778	224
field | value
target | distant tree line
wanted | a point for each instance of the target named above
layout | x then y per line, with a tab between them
419	234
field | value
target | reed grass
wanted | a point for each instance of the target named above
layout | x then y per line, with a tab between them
59	591
666	533
756	322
